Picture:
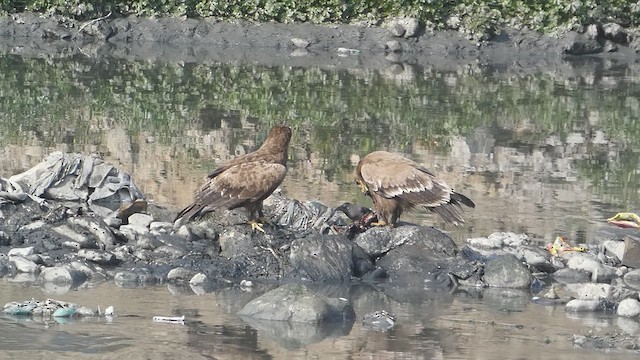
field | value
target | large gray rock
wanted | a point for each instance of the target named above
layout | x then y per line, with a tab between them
577	305
62	275
296	303
571	276
420	251
507	271
376	241
327	258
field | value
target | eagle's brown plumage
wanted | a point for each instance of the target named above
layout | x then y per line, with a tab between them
244	181
396	183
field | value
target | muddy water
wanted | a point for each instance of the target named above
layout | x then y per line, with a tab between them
543	154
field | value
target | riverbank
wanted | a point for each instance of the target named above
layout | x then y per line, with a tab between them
400	41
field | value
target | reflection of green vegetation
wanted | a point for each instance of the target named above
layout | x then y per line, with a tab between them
340	113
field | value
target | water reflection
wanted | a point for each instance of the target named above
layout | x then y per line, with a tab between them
542	153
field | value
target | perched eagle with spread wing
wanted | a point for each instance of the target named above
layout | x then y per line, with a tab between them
396	183
244	181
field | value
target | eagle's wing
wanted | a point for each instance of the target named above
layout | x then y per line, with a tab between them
236	186
391	176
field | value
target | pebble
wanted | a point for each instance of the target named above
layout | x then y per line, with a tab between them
629	308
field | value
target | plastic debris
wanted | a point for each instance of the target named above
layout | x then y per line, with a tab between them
625	220
64	312
169	319
49	308
71	177
560	245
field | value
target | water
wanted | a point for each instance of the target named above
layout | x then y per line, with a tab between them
546	154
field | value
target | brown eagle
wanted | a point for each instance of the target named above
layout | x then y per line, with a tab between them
396	183
244	181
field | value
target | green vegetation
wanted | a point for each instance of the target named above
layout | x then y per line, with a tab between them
477	18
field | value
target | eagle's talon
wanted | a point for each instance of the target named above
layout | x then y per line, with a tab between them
255	225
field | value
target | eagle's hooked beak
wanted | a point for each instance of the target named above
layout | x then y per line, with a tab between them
363	187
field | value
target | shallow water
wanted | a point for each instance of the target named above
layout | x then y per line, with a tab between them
464	325
546	154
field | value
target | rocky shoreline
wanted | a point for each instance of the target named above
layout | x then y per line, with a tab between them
396	41
57	231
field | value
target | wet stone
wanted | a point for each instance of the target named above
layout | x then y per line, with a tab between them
170	251
577	305
605	291
591	265
23	265
507	271
632	279
569	276
98	256
62	275
184	232
296	303
379	320
180	274
629	308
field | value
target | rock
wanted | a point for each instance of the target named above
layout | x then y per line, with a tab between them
137	276
375	241
632	279
604	291
615	248
202	230
484	243
631	256
235	243
507	271
180	274
89	271
581	44
140	220
82	240
327	258
411	26
23	265
422	253
593	31
535	258
629	308
300	43
616	33
161	227
138	230
198	279
570	276
393	46
100	257
397	30
97	227
23	252
379	321
62	275
589	264
184	232
577	305
296	303
170	251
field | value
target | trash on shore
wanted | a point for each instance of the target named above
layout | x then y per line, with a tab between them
169	319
